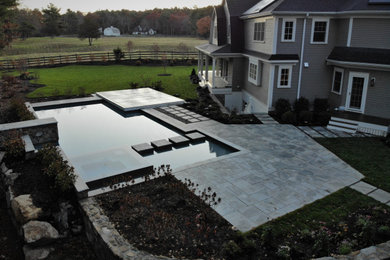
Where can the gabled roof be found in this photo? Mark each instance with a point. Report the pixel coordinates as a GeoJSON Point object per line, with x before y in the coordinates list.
{"type": "Point", "coordinates": [238, 7]}
{"type": "Point", "coordinates": [360, 55]}
{"type": "Point", "coordinates": [303, 6]}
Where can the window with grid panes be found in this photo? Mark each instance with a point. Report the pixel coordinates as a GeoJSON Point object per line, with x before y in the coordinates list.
{"type": "Point", "coordinates": [259, 32]}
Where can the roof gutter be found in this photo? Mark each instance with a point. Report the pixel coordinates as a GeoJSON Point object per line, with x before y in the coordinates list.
{"type": "Point", "coordinates": [363, 65]}
{"type": "Point", "coordinates": [290, 13]}
{"type": "Point", "coordinates": [301, 58]}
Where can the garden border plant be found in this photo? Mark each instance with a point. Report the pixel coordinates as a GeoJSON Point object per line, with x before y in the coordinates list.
{"type": "Point", "coordinates": [301, 114]}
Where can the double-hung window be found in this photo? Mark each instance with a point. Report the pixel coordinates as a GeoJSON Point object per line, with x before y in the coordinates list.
{"type": "Point", "coordinates": [284, 76]}
{"type": "Point", "coordinates": [288, 30]}
{"type": "Point", "coordinates": [254, 72]}
{"type": "Point", "coordinates": [319, 31]}
{"type": "Point", "coordinates": [259, 32]}
{"type": "Point", "coordinates": [337, 85]}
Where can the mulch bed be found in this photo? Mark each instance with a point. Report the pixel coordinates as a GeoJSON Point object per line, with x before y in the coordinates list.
{"type": "Point", "coordinates": [163, 217]}
{"type": "Point", "coordinates": [206, 106]}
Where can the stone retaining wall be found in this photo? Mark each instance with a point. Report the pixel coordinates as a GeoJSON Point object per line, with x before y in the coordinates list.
{"type": "Point", "coordinates": [378, 252]}
{"type": "Point", "coordinates": [41, 131]}
{"type": "Point", "coordinates": [108, 243]}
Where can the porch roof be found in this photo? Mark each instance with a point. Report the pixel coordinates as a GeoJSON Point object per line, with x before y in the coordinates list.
{"type": "Point", "coordinates": [272, 57]}
{"type": "Point", "coordinates": [217, 51]}
{"type": "Point", "coordinates": [360, 55]}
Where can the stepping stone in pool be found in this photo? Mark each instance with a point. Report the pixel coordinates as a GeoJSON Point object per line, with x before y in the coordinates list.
{"type": "Point", "coordinates": [196, 137]}
{"type": "Point", "coordinates": [162, 144]}
{"type": "Point", "coordinates": [179, 140]}
{"type": "Point", "coordinates": [143, 148]}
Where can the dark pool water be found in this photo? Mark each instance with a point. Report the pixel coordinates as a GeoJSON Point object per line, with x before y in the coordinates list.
{"type": "Point", "coordinates": [98, 139]}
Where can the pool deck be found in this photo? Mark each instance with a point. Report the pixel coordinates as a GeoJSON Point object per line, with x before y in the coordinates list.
{"type": "Point", "coordinates": [141, 98]}
{"type": "Point", "coordinates": [279, 170]}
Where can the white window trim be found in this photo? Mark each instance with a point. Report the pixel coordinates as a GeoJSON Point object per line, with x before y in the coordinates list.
{"type": "Point", "coordinates": [256, 62]}
{"type": "Point", "coordinates": [294, 28]}
{"type": "Point", "coordinates": [254, 26]}
{"type": "Point", "coordinates": [326, 33]}
{"type": "Point", "coordinates": [289, 67]}
{"type": "Point", "coordinates": [341, 83]}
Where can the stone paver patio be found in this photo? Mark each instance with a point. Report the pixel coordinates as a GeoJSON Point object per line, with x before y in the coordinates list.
{"type": "Point", "coordinates": [280, 170]}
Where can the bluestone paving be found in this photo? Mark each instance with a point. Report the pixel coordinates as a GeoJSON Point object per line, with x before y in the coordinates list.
{"type": "Point", "coordinates": [380, 195]}
{"type": "Point", "coordinates": [363, 187]}
{"type": "Point", "coordinates": [281, 170]}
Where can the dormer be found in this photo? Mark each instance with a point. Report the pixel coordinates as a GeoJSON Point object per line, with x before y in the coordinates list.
{"type": "Point", "coordinates": [218, 27]}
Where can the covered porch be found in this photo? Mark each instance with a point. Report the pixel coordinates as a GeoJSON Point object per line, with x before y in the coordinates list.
{"type": "Point", "coordinates": [215, 68]}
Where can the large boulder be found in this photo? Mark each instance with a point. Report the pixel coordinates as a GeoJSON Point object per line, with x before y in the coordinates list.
{"type": "Point", "coordinates": [24, 209]}
{"type": "Point", "coordinates": [10, 177]}
{"type": "Point", "coordinates": [31, 253]}
{"type": "Point", "coordinates": [39, 233]}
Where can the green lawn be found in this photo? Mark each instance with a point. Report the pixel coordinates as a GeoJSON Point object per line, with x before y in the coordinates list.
{"type": "Point", "coordinates": [46, 46]}
{"type": "Point", "coordinates": [68, 80]}
{"type": "Point", "coordinates": [370, 156]}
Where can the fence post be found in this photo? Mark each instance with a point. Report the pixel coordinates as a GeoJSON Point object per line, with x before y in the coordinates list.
{"type": "Point", "coordinates": [60, 60]}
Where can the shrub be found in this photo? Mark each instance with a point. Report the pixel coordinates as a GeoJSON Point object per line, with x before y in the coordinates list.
{"type": "Point", "coordinates": [345, 248]}
{"type": "Point", "coordinates": [321, 105]}
{"type": "Point", "coordinates": [119, 54]}
{"type": "Point", "coordinates": [305, 117]}
{"type": "Point", "coordinates": [231, 250]}
{"type": "Point", "coordinates": [14, 147]}
{"type": "Point", "coordinates": [138, 62]}
{"type": "Point", "coordinates": [301, 104]}
{"type": "Point", "coordinates": [283, 252]}
{"type": "Point", "coordinates": [387, 140]}
{"type": "Point", "coordinates": [289, 117]}
{"type": "Point", "coordinates": [133, 85]}
{"type": "Point", "coordinates": [322, 118]}
{"type": "Point", "coordinates": [282, 106]}
{"type": "Point", "coordinates": [17, 111]}
{"type": "Point", "coordinates": [60, 174]}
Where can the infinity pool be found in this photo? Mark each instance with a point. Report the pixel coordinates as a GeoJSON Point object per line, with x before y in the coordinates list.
{"type": "Point", "coordinates": [97, 139]}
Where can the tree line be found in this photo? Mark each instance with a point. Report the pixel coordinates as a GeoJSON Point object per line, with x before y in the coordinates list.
{"type": "Point", "coordinates": [50, 22]}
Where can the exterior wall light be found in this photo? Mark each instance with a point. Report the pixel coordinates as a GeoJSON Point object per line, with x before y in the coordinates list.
{"type": "Point", "coordinates": [372, 81]}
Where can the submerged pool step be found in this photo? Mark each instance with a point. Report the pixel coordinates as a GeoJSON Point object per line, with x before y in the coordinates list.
{"type": "Point", "coordinates": [179, 140]}
{"type": "Point", "coordinates": [196, 137]}
{"type": "Point", "coordinates": [143, 148]}
{"type": "Point", "coordinates": [162, 144]}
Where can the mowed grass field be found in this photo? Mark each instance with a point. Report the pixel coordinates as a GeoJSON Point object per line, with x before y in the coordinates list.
{"type": "Point", "coordinates": [75, 79]}
{"type": "Point", "coordinates": [46, 46]}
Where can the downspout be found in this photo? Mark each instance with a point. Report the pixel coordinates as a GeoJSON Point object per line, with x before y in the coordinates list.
{"type": "Point", "coordinates": [302, 53]}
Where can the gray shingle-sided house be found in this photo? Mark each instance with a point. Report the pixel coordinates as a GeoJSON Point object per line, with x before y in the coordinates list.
{"type": "Point", "coordinates": [260, 51]}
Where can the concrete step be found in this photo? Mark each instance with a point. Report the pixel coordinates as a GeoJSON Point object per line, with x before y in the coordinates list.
{"type": "Point", "coordinates": [344, 125]}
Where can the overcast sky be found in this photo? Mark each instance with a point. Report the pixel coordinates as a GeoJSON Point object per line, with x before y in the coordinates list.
{"type": "Point", "coordinates": [93, 5]}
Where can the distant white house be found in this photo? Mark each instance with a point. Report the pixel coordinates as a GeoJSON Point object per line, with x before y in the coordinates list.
{"type": "Point", "coordinates": [143, 31]}
{"type": "Point", "coordinates": [112, 31]}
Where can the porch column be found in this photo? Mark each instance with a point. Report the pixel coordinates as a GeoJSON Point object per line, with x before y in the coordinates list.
{"type": "Point", "coordinates": [201, 63]}
{"type": "Point", "coordinates": [207, 68]}
{"type": "Point", "coordinates": [198, 61]}
{"type": "Point", "coordinates": [213, 80]}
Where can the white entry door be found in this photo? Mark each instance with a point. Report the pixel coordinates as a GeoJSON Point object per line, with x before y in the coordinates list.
{"type": "Point", "coordinates": [357, 92]}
